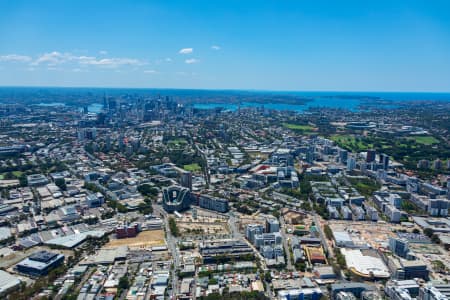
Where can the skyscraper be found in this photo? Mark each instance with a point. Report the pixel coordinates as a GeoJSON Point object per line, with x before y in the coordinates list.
{"type": "Point", "coordinates": [384, 160]}
{"type": "Point", "coordinates": [370, 156]}
{"type": "Point", "coordinates": [186, 180]}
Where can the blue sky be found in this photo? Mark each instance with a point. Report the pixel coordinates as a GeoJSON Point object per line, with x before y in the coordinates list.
{"type": "Point", "coordinates": [382, 45]}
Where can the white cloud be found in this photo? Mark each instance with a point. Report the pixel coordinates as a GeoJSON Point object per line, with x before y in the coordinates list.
{"type": "Point", "coordinates": [150, 71]}
{"type": "Point", "coordinates": [192, 61]}
{"type": "Point", "coordinates": [15, 58]}
{"type": "Point", "coordinates": [215, 47]}
{"type": "Point", "coordinates": [56, 58]}
{"type": "Point", "coordinates": [186, 51]}
{"type": "Point", "coordinates": [52, 59]}
{"type": "Point", "coordinates": [181, 73]}
{"type": "Point", "coordinates": [163, 60]}
{"type": "Point", "coordinates": [78, 70]}
{"type": "Point", "coordinates": [74, 63]}
{"type": "Point", "coordinates": [111, 62]}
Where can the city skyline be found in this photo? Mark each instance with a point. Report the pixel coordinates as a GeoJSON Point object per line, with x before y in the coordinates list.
{"type": "Point", "coordinates": [297, 46]}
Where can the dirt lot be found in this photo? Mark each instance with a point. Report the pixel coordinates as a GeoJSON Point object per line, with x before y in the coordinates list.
{"type": "Point", "coordinates": [376, 234]}
{"type": "Point", "coordinates": [145, 239]}
{"type": "Point", "coordinates": [203, 228]}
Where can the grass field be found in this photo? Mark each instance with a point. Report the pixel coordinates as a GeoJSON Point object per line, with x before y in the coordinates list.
{"type": "Point", "coordinates": [177, 143]}
{"type": "Point", "coordinates": [424, 140]}
{"type": "Point", "coordinates": [350, 142]}
{"type": "Point", "coordinates": [298, 127]}
{"type": "Point", "coordinates": [17, 173]}
{"type": "Point", "coordinates": [192, 167]}
{"type": "Point", "coordinates": [145, 239]}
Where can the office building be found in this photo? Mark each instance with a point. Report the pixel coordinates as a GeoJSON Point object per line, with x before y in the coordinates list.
{"type": "Point", "coordinates": [186, 180]}
{"type": "Point", "coordinates": [384, 161]}
{"type": "Point", "coordinates": [402, 289]}
{"type": "Point", "coordinates": [176, 198]}
{"type": "Point", "coordinates": [351, 163]}
{"type": "Point", "coordinates": [127, 231]}
{"type": "Point", "coordinates": [370, 156]}
{"type": "Point", "coordinates": [272, 225]}
{"type": "Point", "coordinates": [95, 200]}
{"type": "Point", "coordinates": [438, 207]}
{"type": "Point", "coordinates": [40, 263]}
{"type": "Point", "coordinates": [399, 246]}
{"type": "Point", "coordinates": [213, 203]}
{"type": "Point", "coordinates": [8, 283]}
{"type": "Point", "coordinates": [393, 214]}
{"type": "Point", "coordinates": [402, 269]}
{"type": "Point", "coordinates": [37, 180]}
{"type": "Point", "coordinates": [345, 296]}
{"type": "Point", "coordinates": [434, 292]}
{"type": "Point", "coordinates": [300, 294]}
{"type": "Point", "coordinates": [210, 250]}
{"type": "Point", "coordinates": [343, 156]}
{"type": "Point", "coordinates": [252, 230]}
{"type": "Point", "coordinates": [355, 288]}
{"type": "Point", "coordinates": [267, 239]}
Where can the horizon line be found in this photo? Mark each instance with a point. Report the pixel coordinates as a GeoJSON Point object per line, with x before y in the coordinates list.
{"type": "Point", "coordinates": [223, 89]}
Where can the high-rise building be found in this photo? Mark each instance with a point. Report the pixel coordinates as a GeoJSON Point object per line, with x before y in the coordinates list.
{"type": "Point", "coordinates": [423, 164]}
{"type": "Point", "coordinates": [399, 246]}
{"type": "Point", "coordinates": [213, 203]}
{"type": "Point", "coordinates": [384, 161]}
{"type": "Point", "coordinates": [310, 155]}
{"type": "Point", "coordinates": [343, 155]}
{"type": "Point", "coordinates": [448, 186]}
{"type": "Point", "coordinates": [351, 163]}
{"type": "Point", "coordinates": [112, 105]}
{"type": "Point", "coordinates": [412, 184]}
{"type": "Point", "coordinates": [252, 230]}
{"type": "Point", "coordinates": [437, 164]}
{"type": "Point", "coordinates": [438, 207]}
{"type": "Point", "coordinates": [403, 269]}
{"type": "Point", "coordinates": [186, 179]}
{"type": "Point", "coordinates": [272, 225]}
{"type": "Point", "coordinates": [370, 156]}
{"type": "Point", "coordinates": [176, 198]}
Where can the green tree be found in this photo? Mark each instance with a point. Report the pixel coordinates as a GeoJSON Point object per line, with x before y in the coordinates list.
{"type": "Point", "coordinates": [61, 183]}
{"type": "Point", "coordinates": [328, 232]}
{"type": "Point", "coordinates": [428, 232]}
{"type": "Point", "coordinates": [145, 208]}
{"type": "Point", "coordinates": [148, 190]}
{"type": "Point", "coordinates": [124, 283]}
{"type": "Point", "coordinates": [173, 227]}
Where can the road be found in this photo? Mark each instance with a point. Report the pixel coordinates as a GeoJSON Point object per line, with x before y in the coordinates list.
{"type": "Point", "coordinates": [289, 264]}
{"type": "Point", "coordinates": [172, 246]}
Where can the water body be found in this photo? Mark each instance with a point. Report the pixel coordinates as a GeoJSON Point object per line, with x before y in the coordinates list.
{"type": "Point", "coordinates": [349, 104]}
{"type": "Point", "coordinates": [95, 108]}
{"type": "Point", "coordinates": [340, 100]}
{"type": "Point", "coordinates": [51, 104]}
